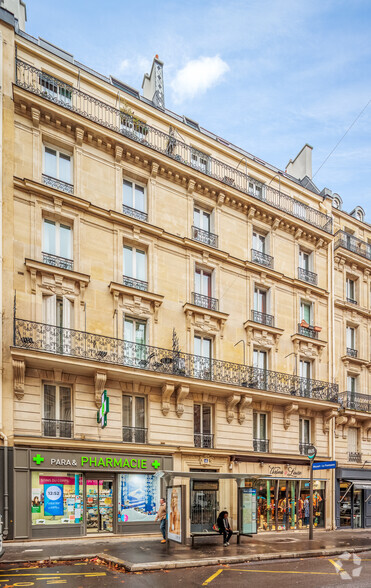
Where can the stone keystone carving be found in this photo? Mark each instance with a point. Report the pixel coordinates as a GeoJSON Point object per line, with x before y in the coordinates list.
{"type": "Point", "coordinates": [167, 390]}
{"type": "Point", "coordinates": [181, 393]}
{"type": "Point", "coordinates": [19, 370]}
{"type": "Point", "coordinates": [242, 406]}
{"type": "Point", "coordinates": [230, 403]}
{"type": "Point", "coordinates": [287, 412]}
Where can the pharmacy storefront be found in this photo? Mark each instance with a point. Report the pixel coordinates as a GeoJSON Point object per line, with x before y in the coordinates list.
{"type": "Point", "coordinates": [66, 494]}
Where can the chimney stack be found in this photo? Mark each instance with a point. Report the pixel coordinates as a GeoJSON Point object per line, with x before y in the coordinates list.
{"type": "Point", "coordinates": [153, 84]}
{"type": "Point", "coordinates": [18, 9]}
{"type": "Point", "coordinates": [301, 167]}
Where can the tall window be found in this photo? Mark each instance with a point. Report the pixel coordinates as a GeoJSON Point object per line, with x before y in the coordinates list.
{"type": "Point", "coordinates": [58, 312]}
{"type": "Point", "coordinates": [57, 242]}
{"type": "Point", "coordinates": [304, 435]}
{"type": "Point", "coordinates": [260, 361]}
{"type": "Point", "coordinates": [57, 411]}
{"type": "Point", "coordinates": [202, 219]}
{"type": "Point", "coordinates": [352, 387]}
{"type": "Point", "coordinates": [350, 290]}
{"type": "Point", "coordinates": [135, 350]}
{"type": "Point", "coordinates": [256, 189]}
{"type": "Point", "coordinates": [200, 160]}
{"type": "Point", "coordinates": [259, 242]}
{"type": "Point", "coordinates": [304, 260]}
{"type": "Point", "coordinates": [203, 281]}
{"type": "Point", "coordinates": [306, 312]}
{"type": "Point", "coordinates": [260, 437]}
{"type": "Point", "coordinates": [353, 444]}
{"type": "Point", "coordinates": [134, 197]}
{"type": "Point", "coordinates": [351, 338]}
{"type": "Point", "coordinates": [203, 351]}
{"type": "Point", "coordinates": [305, 375]}
{"type": "Point", "coordinates": [135, 268]}
{"type": "Point", "coordinates": [202, 419]}
{"type": "Point", "coordinates": [57, 165]}
{"type": "Point", "coordinates": [260, 300]}
{"type": "Point", "coordinates": [134, 419]}
{"type": "Point", "coordinates": [55, 89]}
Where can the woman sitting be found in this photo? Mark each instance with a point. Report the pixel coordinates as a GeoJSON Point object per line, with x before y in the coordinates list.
{"type": "Point", "coordinates": [224, 527]}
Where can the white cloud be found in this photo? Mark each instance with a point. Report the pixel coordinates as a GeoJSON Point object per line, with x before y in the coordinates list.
{"type": "Point", "coordinates": [197, 76]}
{"type": "Point", "coordinates": [124, 65]}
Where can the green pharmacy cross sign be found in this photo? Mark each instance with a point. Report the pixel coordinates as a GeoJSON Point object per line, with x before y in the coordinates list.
{"type": "Point", "coordinates": [104, 410]}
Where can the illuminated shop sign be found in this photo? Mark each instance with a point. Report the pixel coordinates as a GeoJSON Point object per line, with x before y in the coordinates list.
{"type": "Point", "coordinates": [45, 459]}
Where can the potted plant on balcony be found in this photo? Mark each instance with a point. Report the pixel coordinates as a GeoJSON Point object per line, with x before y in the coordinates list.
{"type": "Point", "coordinates": [318, 329]}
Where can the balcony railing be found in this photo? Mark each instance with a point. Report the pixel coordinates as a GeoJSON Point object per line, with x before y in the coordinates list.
{"type": "Point", "coordinates": [353, 244]}
{"type": "Point", "coordinates": [57, 428]}
{"type": "Point", "coordinates": [355, 401]}
{"type": "Point", "coordinates": [34, 80]}
{"type": "Point", "coordinates": [261, 445]}
{"type": "Point", "coordinates": [351, 300]}
{"type": "Point", "coordinates": [354, 457]}
{"type": "Point", "coordinates": [57, 184]}
{"type": "Point", "coordinates": [307, 276]}
{"type": "Point", "coordinates": [307, 331]}
{"type": "Point", "coordinates": [57, 261]}
{"type": "Point", "coordinates": [352, 352]}
{"type": "Point", "coordinates": [134, 435]}
{"type": "Point", "coordinates": [262, 258]}
{"type": "Point", "coordinates": [204, 237]}
{"type": "Point", "coordinates": [90, 346]}
{"type": "Point", "coordinates": [205, 301]}
{"type": "Point", "coordinates": [262, 318]}
{"type": "Point", "coordinates": [303, 447]}
{"type": "Point", "coordinates": [134, 213]}
{"type": "Point", "coordinates": [134, 283]}
{"type": "Point", "coordinates": [206, 441]}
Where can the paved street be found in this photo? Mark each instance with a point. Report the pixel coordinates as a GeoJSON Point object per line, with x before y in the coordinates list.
{"type": "Point", "coordinates": [305, 573]}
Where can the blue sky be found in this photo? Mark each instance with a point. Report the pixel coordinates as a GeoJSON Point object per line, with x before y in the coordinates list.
{"type": "Point", "coordinates": [268, 75]}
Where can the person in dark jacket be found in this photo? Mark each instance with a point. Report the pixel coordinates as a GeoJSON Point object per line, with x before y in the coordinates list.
{"type": "Point", "coordinates": [224, 526]}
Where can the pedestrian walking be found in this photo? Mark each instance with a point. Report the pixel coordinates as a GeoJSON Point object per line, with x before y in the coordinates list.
{"type": "Point", "coordinates": [161, 516]}
{"type": "Point", "coordinates": [224, 527]}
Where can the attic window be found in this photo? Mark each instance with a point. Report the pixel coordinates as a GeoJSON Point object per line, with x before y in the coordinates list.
{"type": "Point", "coordinates": [192, 123]}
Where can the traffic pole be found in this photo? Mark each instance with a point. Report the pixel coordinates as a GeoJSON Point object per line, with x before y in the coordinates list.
{"type": "Point", "coordinates": [311, 453]}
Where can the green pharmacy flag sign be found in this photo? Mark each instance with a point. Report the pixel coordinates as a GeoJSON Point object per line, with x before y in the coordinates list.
{"type": "Point", "coordinates": [103, 410]}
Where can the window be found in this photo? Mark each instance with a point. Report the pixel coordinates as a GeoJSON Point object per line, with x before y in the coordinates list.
{"type": "Point", "coordinates": [353, 444]}
{"type": "Point", "coordinates": [202, 219]}
{"type": "Point", "coordinates": [134, 419]}
{"type": "Point", "coordinates": [57, 244]}
{"type": "Point", "coordinates": [260, 300]}
{"type": "Point", "coordinates": [200, 161]}
{"type": "Point", "coordinates": [202, 351]}
{"type": "Point", "coordinates": [135, 350]}
{"type": "Point", "coordinates": [304, 260]}
{"type": "Point", "coordinates": [351, 392]}
{"type": "Point", "coordinates": [351, 340]}
{"type": "Point", "coordinates": [305, 378]}
{"type": "Point", "coordinates": [57, 411]}
{"type": "Point", "coordinates": [202, 295]}
{"type": "Point", "coordinates": [134, 127]}
{"type": "Point", "coordinates": [138, 498]}
{"type": "Point", "coordinates": [58, 312]}
{"type": "Point", "coordinates": [256, 189]}
{"type": "Point", "coordinates": [304, 435]}
{"type": "Point", "coordinates": [57, 165]}
{"type": "Point", "coordinates": [351, 291]}
{"type": "Point", "coordinates": [46, 508]}
{"type": "Point", "coordinates": [55, 90]}
{"type": "Point", "coordinates": [258, 242]}
{"type": "Point", "coordinates": [202, 419]}
{"type": "Point", "coordinates": [134, 200]}
{"type": "Point", "coordinates": [134, 268]}
{"type": "Point", "coordinates": [306, 312]}
{"type": "Point", "coordinates": [260, 440]}
{"type": "Point", "coordinates": [260, 377]}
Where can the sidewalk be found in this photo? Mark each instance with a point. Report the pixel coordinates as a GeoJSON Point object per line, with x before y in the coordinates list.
{"type": "Point", "coordinates": [135, 554]}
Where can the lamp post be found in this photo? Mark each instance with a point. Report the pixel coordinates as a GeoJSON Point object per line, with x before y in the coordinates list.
{"type": "Point", "coordinates": [311, 453]}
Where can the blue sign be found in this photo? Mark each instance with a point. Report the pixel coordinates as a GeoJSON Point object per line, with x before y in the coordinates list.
{"type": "Point", "coordinates": [325, 465]}
{"type": "Point", "coordinates": [53, 499]}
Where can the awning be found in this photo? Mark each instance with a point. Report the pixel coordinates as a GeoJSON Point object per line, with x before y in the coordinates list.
{"type": "Point", "coordinates": [361, 484]}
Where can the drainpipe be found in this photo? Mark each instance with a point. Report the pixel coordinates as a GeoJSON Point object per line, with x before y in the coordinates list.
{"type": "Point", "coordinates": [2, 435]}
{"type": "Point", "coordinates": [6, 486]}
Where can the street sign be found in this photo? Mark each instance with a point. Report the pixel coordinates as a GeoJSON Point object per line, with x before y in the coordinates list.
{"type": "Point", "coordinates": [311, 452]}
{"type": "Point", "coordinates": [104, 410]}
{"type": "Point", "coordinates": [324, 465]}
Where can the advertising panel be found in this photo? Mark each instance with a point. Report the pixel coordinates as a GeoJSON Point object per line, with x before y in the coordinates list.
{"type": "Point", "coordinates": [53, 499]}
{"type": "Point", "coordinates": [248, 511]}
{"type": "Point", "coordinates": [175, 513]}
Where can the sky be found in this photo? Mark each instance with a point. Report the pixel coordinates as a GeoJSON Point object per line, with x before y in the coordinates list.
{"type": "Point", "coordinates": [268, 75]}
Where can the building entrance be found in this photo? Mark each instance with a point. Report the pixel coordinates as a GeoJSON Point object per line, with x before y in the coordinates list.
{"type": "Point", "coordinates": [99, 505]}
{"type": "Point", "coordinates": [204, 505]}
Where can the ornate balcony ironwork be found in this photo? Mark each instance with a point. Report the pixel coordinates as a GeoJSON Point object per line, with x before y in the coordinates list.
{"type": "Point", "coordinates": [352, 352]}
{"type": "Point", "coordinates": [261, 445]}
{"type": "Point", "coordinates": [57, 261]}
{"type": "Point", "coordinates": [204, 237]}
{"type": "Point", "coordinates": [57, 428]}
{"type": "Point", "coordinates": [134, 283]}
{"type": "Point", "coordinates": [307, 276]}
{"type": "Point", "coordinates": [90, 346]}
{"type": "Point", "coordinates": [205, 301]}
{"type": "Point", "coordinates": [307, 331]}
{"type": "Point", "coordinates": [351, 300]}
{"type": "Point", "coordinates": [355, 457]}
{"type": "Point", "coordinates": [57, 184]}
{"type": "Point", "coordinates": [206, 441]}
{"type": "Point", "coordinates": [134, 435]}
{"type": "Point", "coordinates": [262, 318]}
{"type": "Point", "coordinates": [262, 258]}
{"type": "Point", "coordinates": [33, 80]}
{"type": "Point", "coordinates": [353, 244]}
{"type": "Point", "coordinates": [303, 447]}
{"type": "Point", "coordinates": [355, 401]}
{"type": "Point", "coordinates": [134, 213]}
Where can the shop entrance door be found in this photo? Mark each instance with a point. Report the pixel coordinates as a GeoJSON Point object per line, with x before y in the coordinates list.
{"type": "Point", "coordinates": [99, 505]}
{"type": "Point", "coordinates": [204, 505]}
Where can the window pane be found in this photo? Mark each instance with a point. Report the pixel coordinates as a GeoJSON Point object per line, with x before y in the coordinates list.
{"type": "Point", "coordinates": [64, 167]}
{"type": "Point", "coordinates": [198, 281]}
{"type": "Point", "coordinates": [141, 265]}
{"type": "Point", "coordinates": [64, 404]}
{"type": "Point", "coordinates": [49, 237]}
{"type": "Point", "coordinates": [49, 401]}
{"type": "Point", "coordinates": [140, 333]}
{"type": "Point", "coordinates": [206, 420]}
{"type": "Point", "coordinates": [197, 418]}
{"type": "Point", "coordinates": [206, 284]}
{"type": "Point", "coordinates": [139, 198]}
{"type": "Point", "coordinates": [255, 425]}
{"type": "Point", "coordinates": [127, 411]}
{"type": "Point", "coordinates": [262, 426]}
{"type": "Point", "coordinates": [127, 192]}
{"type": "Point", "coordinates": [197, 345]}
{"type": "Point", "coordinates": [206, 221]}
{"type": "Point", "coordinates": [128, 262]}
{"type": "Point", "coordinates": [197, 218]}
{"type": "Point", "coordinates": [65, 242]}
{"type": "Point", "coordinates": [128, 330]}
{"type": "Point", "coordinates": [139, 412]}
{"type": "Point", "coordinates": [306, 436]}
{"type": "Point", "coordinates": [206, 348]}
{"type": "Point", "coordinates": [306, 312]}
{"type": "Point", "coordinates": [50, 162]}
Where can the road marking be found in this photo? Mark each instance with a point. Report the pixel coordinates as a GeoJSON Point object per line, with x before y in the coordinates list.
{"type": "Point", "coordinates": [49, 574]}
{"type": "Point", "coordinates": [212, 578]}
{"type": "Point", "coordinates": [337, 566]}
{"type": "Point", "coordinates": [26, 550]}
{"type": "Point", "coordinates": [283, 572]}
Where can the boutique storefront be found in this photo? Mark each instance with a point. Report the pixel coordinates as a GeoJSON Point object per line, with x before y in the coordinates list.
{"type": "Point", "coordinates": [353, 498]}
{"type": "Point", "coordinates": [71, 493]}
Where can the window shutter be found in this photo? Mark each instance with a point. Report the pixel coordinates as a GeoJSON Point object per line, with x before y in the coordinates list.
{"type": "Point", "coordinates": [67, 313]}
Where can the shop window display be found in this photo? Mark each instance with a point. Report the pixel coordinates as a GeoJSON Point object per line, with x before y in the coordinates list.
{"type": "Point", "coordinates": [139, 497]}
{"type": "Point", "coordinates": [56, 498]}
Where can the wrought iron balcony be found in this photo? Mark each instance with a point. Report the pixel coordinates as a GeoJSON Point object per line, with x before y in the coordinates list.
{"type": "Point", "coordinates": [261, 445]}
{"type": "Point", "coordinates": [34, 80]}
{"type": "Point", "coordinates": [57, 428]}
{"type": "Point", "coordinates": [262, 318]}
{"type": "Point", "coordinates": [134, 435]}
{"type": "Point", "coordinates": [307, 276]}
{"type": "Point", "coordinates": [351, 300]}
{"type": "Point", "coordinates": [57, 184]}
{"type": "Point", "coordinates": [307, 331]}
{"type": "Point", "coordinates": [205, 301]}
{"type": "Point", "coordinates": [303, 447]}
{"type": "Point", "coordinates": [134, 213]}
{"type": "Point", "coordinates": [57, 261]}
{"type": "Point", "coordinates": [355, 457]}
{"type": "Point", "coordinates": [134, 283]}
{"type": "Point", "coordinates": [353, 244]}
{"type": "Point", "coordinates": [204, 237]}
{"type": "Point", "coordinates": [206, 441]}
{"type": "Point", "coordinates": [90, 346]}
{"type": "Point", "coordinates": [262, 258]}
{"type": "Point", "coordinates": [355, 401]}
{"type": "Point", "coordinates": [352, 352]}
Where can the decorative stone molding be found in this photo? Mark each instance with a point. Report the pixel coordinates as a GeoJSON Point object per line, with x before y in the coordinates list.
{"type": "Point", "coordinates": [307, 347]}
{"type": "Point", "coordinates": [340, 421]}
{"type": "Point", "coordinates": [167, 390]}
{"type": "Point", "coordinates": [230, 404]}
{"type": "Point", "coordinates": [35, 115]}
{"type": "Point", "coordinates": [181, 393]}
{"type": "Point", "coordinates": [220, 199]}
{"type": "Point", "coordinates": [288, 410]}
{"type": "Point", "coordinates": [262, 335]}
{"type": "Point", "coordinates": [19, 370]}
{"type": "Point", "coordinates": [134, 388]}
{"type": "Point", "coordinates": [365, 428]}
{"type": "Point", "coordinates": [55, 280]}
{"type": "Point", "coordinates": [244, 403]}
{"type": "Point", "coordinates": [207, 321]}
{"type": "Point", "coordinates": [100, 379]}
{"type": "Point", "coordinates": [79, 136]}
{"type": "Point", "coordinates": [118, 153]}
{"type": "Point", "coordinates": [330, 414]}
{"type": "Point", "coordinates": [136, 302]}
{"type": "Point", "coordinates": [191, 186]}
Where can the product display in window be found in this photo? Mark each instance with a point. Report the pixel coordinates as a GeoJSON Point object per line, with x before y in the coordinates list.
{"type": "Point", "coordinates": [138, 497]}
{"type": "Point", "coordinates": [56, 498]}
